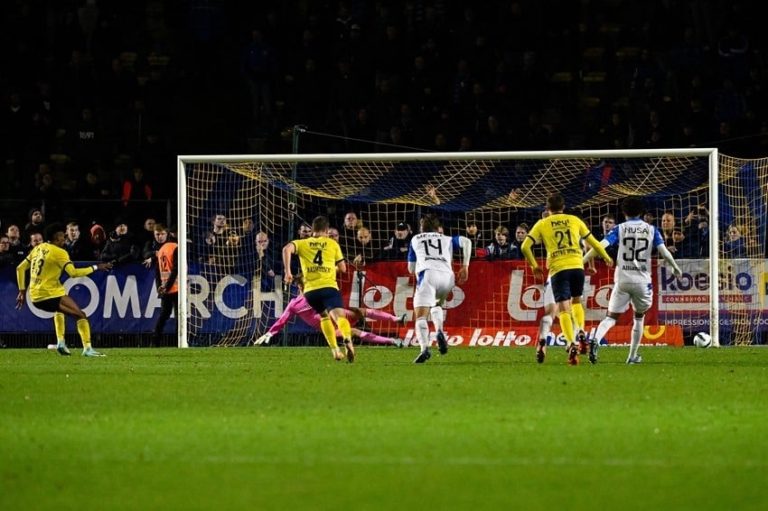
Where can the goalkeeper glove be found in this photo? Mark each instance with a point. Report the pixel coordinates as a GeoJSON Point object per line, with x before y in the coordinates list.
{"type": "Point", "coordinates": [264, 339]}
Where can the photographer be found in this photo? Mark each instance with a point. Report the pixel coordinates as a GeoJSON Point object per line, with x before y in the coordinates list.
{"type": "Point", "coordinates": [120, 247]}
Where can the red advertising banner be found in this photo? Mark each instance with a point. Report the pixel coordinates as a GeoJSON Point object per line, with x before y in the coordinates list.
{"type": "Point", "coordinates": [527, 336]}
{"type": "Point", "coordinates": [500, 305]}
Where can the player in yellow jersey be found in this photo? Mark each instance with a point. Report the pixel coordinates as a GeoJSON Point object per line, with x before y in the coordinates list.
{"type": "Point", "coordinates": [320, 259]}
{"type": "Point", "coordinates": [46, 262]}
{"type": "Point", "coordinates": [561, 235]}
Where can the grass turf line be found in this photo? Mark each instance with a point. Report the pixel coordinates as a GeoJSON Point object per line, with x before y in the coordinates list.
{"type": "Point", "coordinates": [289, 428]}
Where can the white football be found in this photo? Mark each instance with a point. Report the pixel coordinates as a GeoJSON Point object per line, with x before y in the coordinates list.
{"type": "Point", "coordinates": [702, 340]}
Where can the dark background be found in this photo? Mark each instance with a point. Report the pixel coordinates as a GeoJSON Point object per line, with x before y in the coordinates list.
{"type": "Point", "coordinates": [99, 88]}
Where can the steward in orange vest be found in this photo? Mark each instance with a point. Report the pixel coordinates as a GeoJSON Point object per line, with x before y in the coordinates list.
{"type": "Point", "coordinates": [165, 277]}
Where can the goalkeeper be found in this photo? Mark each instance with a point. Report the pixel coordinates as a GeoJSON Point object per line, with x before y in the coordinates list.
{"type": "Point", "coordinates": [299, 306]}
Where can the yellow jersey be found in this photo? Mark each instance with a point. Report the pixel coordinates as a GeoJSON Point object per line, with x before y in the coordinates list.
{"type": "Point", "coordinates": [46, 262]}
{"type": "Point", "coordinates": [318, 257]}
{"type": "Point", "coordinates": [561, 235]}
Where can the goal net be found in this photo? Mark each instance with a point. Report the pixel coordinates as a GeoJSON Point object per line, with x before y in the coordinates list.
{"type": "Point", "coordinates": [237, 212]}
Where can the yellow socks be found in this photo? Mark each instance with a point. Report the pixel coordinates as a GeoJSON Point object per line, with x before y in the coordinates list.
{"type": "Point", "coordinates": [84, 329]}
{"type": "Point", "coordinates": [566, 324]}
{"type": "Point", "coordinates": [578, 316]}
{"type": "Point", "coordinates": [329, 332]}
{"type": "Point", "coordinates": [59, 325]}
{"type": "Point", "coordinates": [344, 328]}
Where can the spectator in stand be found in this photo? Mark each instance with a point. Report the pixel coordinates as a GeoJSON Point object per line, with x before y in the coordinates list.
{"type": "Point", "coordinates": [265, 262]}
{"type": "Point", "coordinates": [34, 240]}
{"type": "Point", "coordinates": [607, 223]}
{"type": "Point", "coordinates": [98, 241]}
{"type": "Point", "coordinates": [696, 230]}
{"type": "Point", "coordinates": [500, 247]}
{"type": "Point", "coordinates": [218, 232]}
{"type": "Point", "coordinates": [649, 218]}
{"type": "Point", "coordinates": [136, 188]}
{"type": "Point", "coordinates": [248, 228]}
{"type": "Point", "coordinates": [15, 247]}
{"type": "Point", "coordinates": [233, 239]}
{"type": "Point", "coordinates": [397, 248]}
{"type": "Point", "coordinates": [681, 245]}
{"type": "Point", "coordinates": [166, 278]}
{"type": "Point", "coordinates": [6, 256]}
{"type": "Point", "coordinates": [521, 231]}
{"type": "Point", "coordinates": [667, 230]}
{"type": "Point", "coordinates": [473, 234]}
{"type": "Point", "coordinates": [35, 223]}
{"type": "Point", "coordinates": [735, 245]}
{"type": "Point", "coordinates": [363, 250]}
{"type": "Point", "coordinates": [214, 238]}
{"type": "Point", "coordinates": [93, 188]}
{"type": "Point", "coordinates": [120, 247]}
{"type": "Point", "coordinates": [304, 232]}
{"type": "Point", "coordinates": [348, 234]}
{"type": "Point", "coordinates": [76, 246]}
{"type": "Point", "coordinates": [148, 234]}
{"type": "Point", "coordinates": [333, 233]}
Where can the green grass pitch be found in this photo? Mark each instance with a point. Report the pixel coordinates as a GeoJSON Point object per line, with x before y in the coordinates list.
{"type": "Point", "coordinates": [289, 428]}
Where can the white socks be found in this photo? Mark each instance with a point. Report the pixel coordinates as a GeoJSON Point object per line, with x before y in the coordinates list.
{"type": "Point", "coordinates": [436, 313]}
{"type": "Point", "coordinates": [637, 334]}
{"type": "Point", "coordinates": [545, 326]}
{"type": "Point", "coordinates": [606, 324]}
{"type": "Point", "coordinates": [422, 332]}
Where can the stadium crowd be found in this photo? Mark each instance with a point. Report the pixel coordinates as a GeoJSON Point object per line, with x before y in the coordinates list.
{"type": "Point", "coordinates": [99, 97]}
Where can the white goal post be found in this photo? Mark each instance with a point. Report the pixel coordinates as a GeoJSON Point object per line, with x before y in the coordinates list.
{"type": "Point", "coordinates": [269, 188]}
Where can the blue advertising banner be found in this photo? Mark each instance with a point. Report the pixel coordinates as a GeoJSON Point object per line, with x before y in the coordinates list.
{"type": "Point", "coordinates": [123, 300]}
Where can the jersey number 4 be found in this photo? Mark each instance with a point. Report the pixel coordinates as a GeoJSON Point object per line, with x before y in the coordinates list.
{"type": "Point", "coordinates": [318, 259]}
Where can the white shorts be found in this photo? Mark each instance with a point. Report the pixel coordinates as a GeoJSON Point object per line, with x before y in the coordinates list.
{"type": "Point", "coordinates": [432, 287]}
{"type": "Point", "coordinates": [640, 294]}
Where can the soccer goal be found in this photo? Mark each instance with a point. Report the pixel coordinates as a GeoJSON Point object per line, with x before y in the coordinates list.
{"type": "Point", "coordinates": [712, 207]}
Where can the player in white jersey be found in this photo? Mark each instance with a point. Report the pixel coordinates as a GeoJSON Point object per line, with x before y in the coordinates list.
{"type": "Point", "coordinates": [430, 259]}
{"type": "Point", "coordinates": [632, 276]}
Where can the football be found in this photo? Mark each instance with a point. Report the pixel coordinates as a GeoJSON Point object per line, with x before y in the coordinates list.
{"type": "Point", "coordinates": [702, 340]}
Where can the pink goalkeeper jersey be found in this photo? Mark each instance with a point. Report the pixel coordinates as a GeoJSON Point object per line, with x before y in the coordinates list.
{"type": "Point", "coordinates": [297, 307]}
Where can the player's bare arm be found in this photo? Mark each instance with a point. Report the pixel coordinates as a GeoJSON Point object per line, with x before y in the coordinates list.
{"type": "Point", "coordinates": [288, 250]}
{"type": "Point", "coordinates": [600, 249]}
{"type": "Point", "coordinates": [525, 247]}
{"type": "Point", "coordinates": [466, 255]}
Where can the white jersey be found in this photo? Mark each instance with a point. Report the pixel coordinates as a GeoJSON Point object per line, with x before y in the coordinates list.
{"type": "Point", "coordinates": [636, 240]}
{"type": "Point", "coordinates": [433, 251]}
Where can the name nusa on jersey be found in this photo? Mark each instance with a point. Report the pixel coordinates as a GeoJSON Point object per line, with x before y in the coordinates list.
{"type": "Point", "coordinates": [433, 251]}
{"type": "Point", "coordinates": [636, 240]}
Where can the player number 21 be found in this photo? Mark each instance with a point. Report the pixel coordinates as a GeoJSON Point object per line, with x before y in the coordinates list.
{"type": "Point", "coordinates": [561, 236]}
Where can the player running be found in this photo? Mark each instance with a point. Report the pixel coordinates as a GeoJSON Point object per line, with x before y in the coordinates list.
{"type": "Point", "coordinates": [632, 276]}
{"type": "Point", "coordinates": [561, 235]}
{"type": "Point", "coordinates": [320, 258]}
{"type": "Point", "coordinates": [430, 258]}
{"type": "Point", "coordinates": [46, 262]}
